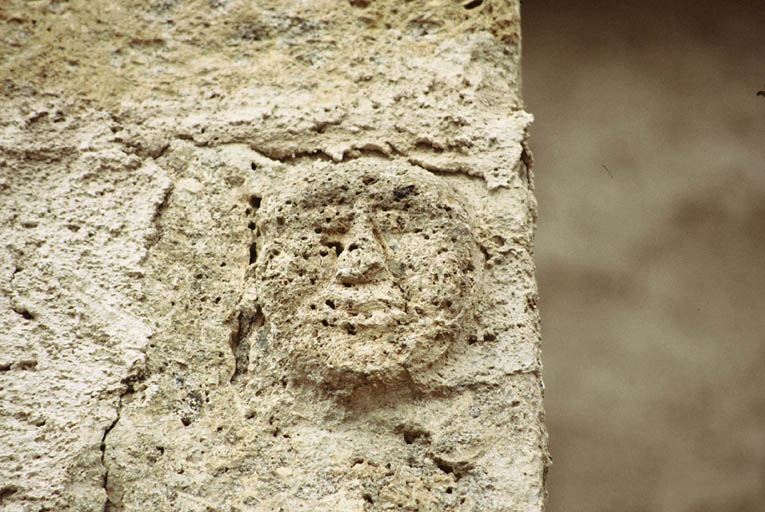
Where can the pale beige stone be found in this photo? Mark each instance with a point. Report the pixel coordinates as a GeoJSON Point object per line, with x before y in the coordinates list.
{"type": "Point", "coordinates": [159, 354]}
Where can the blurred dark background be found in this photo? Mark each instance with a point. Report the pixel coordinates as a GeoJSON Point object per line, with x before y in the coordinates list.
{"type": "Point", "coordinates": [653, 280]}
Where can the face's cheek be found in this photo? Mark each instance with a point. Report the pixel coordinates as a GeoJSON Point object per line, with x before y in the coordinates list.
{"type": "Point", "coordinates": [290, 270]}
{"type": "Point", "coordinates": [436, 271]}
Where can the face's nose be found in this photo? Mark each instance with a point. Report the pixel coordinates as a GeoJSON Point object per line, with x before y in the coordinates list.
{"type": "Point", "coordinates": [363, 258]}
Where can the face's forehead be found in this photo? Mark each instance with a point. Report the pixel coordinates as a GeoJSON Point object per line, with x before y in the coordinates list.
{"type": "Point", "coordinates": [363, 189]}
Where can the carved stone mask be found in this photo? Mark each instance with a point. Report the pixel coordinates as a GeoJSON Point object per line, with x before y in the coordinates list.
{"type": "Point", "coordinates": [367, 273]}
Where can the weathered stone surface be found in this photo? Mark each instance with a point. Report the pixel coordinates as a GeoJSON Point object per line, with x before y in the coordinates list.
{"type": "Point", "coordinates": [76, 223]}
{"type": "Point", "coordinates": [367, 275]}
{"type": "Point", "coordinates": [181, 183]}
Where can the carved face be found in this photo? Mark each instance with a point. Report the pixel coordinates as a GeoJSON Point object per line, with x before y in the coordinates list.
{"type": "Point", "coordinates": [367, 274]}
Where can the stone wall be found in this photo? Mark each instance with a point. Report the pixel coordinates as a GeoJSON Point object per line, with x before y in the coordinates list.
{"type": "Point", "coordinates": [270, 256]}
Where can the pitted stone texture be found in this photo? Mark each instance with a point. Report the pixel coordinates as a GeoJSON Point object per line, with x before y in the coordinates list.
{"type": "Point", "coordinates": [143, 145]}
{"type": "Point", "coordinates": [367, 272]}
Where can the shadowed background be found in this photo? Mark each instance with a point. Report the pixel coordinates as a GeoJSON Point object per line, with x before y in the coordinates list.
{"type": "Point", "coordinates": [652, 281]}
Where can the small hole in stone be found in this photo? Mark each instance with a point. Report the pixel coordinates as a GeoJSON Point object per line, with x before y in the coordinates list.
{"type": "Point", "coordinates": [489, 337]}
{"type": "Point", "coordinates": [255, 202]}
{"type": "Point", "coordinates": [253, 253]}
{"type": "Point", "coordinates": [26, 365]}
{"type": "Point", "coordinates": [443, 466]}
{"type": "Point", "coordinates": [217, 300]}
{"type": "Point", "coordinates": [25, 314]}
{"type": "Point", "coordinates": [325, 323]}
{"type": "Point", "coordinates": [337, 246]}
{"type": "Point", "coordinates": [253, 166]}
{"type": "Point", "coordinates": [251, 225]}
{"type": "Point", "coordinates": [473, 4]}
{"type": "Point", "coordinates": [186, 421]}
{"type": "Point", "coordinates": [472, 340]}
{"type": "Point", "coordinates": [350, 329]}
{"type": "Point", "coordinates": [411, 435]}
{"type": "Point", "coordinates": [352, 247]}
{"type": "Point", "coordinates": [330, 304]}
{"type": "Point", "coordinates": [313, 306]}
{"type": "Point", "coordinates": [368, 498]}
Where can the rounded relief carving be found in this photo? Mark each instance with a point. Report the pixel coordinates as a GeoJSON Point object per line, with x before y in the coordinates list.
{"type": "Point", "coordinates": [367, 273]}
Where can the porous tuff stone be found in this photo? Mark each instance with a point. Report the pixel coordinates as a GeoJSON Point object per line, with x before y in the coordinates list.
{"type": "Point", "coordinates": [367, 273]}
{"type": "Point", "coordinates": [154, 355]}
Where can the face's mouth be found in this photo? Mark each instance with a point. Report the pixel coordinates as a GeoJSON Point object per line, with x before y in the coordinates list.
{"type": "Point", "coordinates": [362, 307]}
{"type": "Point", "coordinates": [375, 314]}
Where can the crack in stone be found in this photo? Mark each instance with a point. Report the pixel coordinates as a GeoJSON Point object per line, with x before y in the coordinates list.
{"type": "Point", "coordinates": [155, 232]}
{"type": "Point", "coordinates": [444, 171]}
{"type": "Point", "coordinates": [129, 383]}
{"type": "Point", "coordinates": [527, 162]}
{"type": "Point", "coordinates": [105, 484]}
